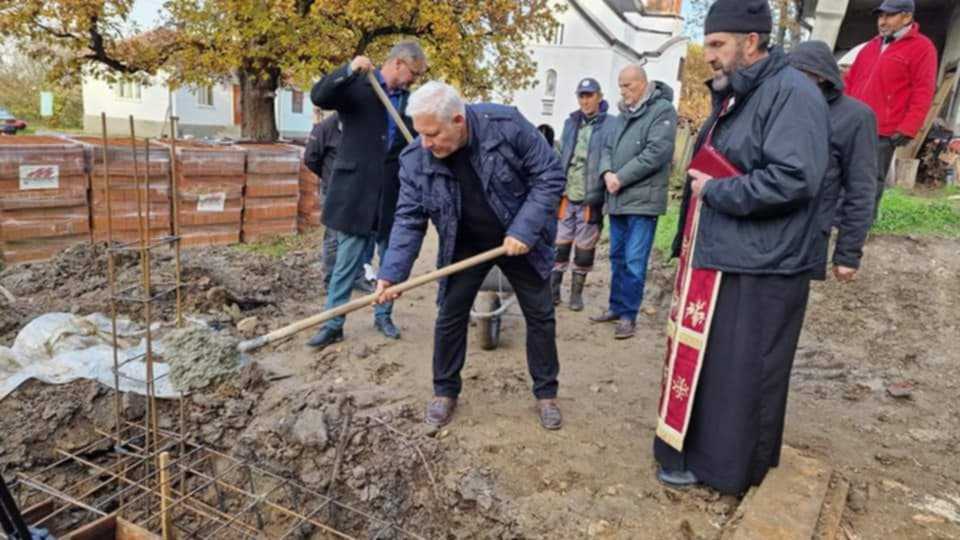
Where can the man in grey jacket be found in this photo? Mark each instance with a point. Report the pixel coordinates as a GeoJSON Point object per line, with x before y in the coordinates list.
{"type": "Point", "coordinates": [635, 167]}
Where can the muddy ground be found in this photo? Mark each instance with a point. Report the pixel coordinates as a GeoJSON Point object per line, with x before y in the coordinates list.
{"type": "Point", "coordinates": [874, 395]}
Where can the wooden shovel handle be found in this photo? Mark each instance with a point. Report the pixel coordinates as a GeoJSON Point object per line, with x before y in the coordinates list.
{"type": "Point", "coordinates": [370, 299]}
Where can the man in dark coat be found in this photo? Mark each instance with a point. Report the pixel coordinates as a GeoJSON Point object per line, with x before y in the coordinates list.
{"type": "Point", "coordinates": [363, 189]}
{"type": "Point", "coordinates": [581, 208]}
{"type": "Point", "coordinates": [761, 230]}
{"type": "Point", "coordinates": [485, 177]}
{"type": "Point", "coordinates": [319, 156]}
{"type": "Point", "coordinates": [850, 185]}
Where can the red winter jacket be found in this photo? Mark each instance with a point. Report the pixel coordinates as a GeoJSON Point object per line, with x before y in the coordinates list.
{"type": "Point", "coordinates": [897, 84]}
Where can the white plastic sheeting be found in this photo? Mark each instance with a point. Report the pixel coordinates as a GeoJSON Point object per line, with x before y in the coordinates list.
{"type": "Point", "coordinates": [58, 348]}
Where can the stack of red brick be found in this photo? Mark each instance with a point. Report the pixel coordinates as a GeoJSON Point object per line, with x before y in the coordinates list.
{"type": "Point", "coordinates": [128, 206]}
{"type": "Point", "coordinates": [311, 200]}
{"type": "Point", "coordinates": [43, 197]}
{"type": "Point", "coordinates": [272, 193]}
{"type": "Point", "coordinates": [210, 193]}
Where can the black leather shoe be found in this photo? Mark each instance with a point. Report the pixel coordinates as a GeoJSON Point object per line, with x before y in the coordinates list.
{"type": "Point", "coordinates": [606, 316]}
{"type": "Point", "coordinates": [326, 336]}
{"type": "Point", "coordinates": [677, 479]}
{"type": "Point", "coordinates": [440, 411]}
{"type": "Point", "coordinates": [386, 327]}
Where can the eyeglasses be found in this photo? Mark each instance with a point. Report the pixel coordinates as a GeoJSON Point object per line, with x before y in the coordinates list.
{"type": "Point", "coordinates": [416, 73]}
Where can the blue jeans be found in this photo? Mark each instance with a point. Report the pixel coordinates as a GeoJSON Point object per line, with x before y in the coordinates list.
{"type": "Point", "coordinates": [352, 253]}
{"type": "Point", "coordinates": [328, 256]}
{"type": "Point", "coordinates": [631, 238]}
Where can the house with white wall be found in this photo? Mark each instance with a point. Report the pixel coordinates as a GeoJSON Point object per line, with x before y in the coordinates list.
{"type": "Point", "coordinates": [204, 111]}
{"type": "Point", "coordinates": [597, 38]}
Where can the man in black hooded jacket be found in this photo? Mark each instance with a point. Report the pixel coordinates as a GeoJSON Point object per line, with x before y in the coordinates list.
{"type": "Point", "coordinates": [850, 186]}
{"type": "Point", "coordinates": [761, 230]}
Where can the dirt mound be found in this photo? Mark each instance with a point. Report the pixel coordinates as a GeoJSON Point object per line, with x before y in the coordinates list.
{"type": "Point", "coordinates": [221, 285]}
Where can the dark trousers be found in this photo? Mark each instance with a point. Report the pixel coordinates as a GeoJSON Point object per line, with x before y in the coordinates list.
{"type": "Point", "coordinates": [885, 150]}
{"type": "Point", "coordinates": [450, 333]}
{"type": "Point", "coordinates": [736, 426]}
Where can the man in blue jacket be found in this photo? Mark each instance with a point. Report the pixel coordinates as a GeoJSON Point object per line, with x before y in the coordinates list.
{"type": "Point", "coordinates": [581, 209]}
{"type": "Point", "coordinates": [485, 177]}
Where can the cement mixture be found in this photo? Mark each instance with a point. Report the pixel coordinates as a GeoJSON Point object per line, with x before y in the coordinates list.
{"type": "Point", "coordinates": [199, 356]}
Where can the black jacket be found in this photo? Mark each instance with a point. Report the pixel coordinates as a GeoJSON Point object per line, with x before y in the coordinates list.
{"type": "Point", "coordinates": [850, 184]}
{"type": "Point", "coordinates": [362, 196]}
{"type": "Point", "coordinates": [764, 221]}
{"type": "Point", "coordinates": [321, 150]}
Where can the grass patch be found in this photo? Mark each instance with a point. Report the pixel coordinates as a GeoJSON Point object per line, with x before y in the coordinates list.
{"type": "Point", "coordinates": [277, 247]}
{"type": "Point", "coordinates": [903, 213]}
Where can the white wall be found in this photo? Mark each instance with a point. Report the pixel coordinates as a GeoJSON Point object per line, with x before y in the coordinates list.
{"type": "Point", "coordinates": [290, 123]}
{"type": "Point", "coordinates": [191, 112]}
{"type": "Point", "coordinates": [99, 97]}
{"type": "Point", "coordinates": [584, 54]}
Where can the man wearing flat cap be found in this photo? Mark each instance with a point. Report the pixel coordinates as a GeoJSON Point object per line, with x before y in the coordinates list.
{"type": "Point", "coordinates": [758, 234]}
{"type": "Point", "coordinates": [896, 75]}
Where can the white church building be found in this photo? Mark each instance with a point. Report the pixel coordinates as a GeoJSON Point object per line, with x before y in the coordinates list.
{"type": "Point", "coordinates": [597, 38]}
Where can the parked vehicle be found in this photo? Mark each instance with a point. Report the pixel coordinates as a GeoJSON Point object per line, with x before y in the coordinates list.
{"type": "Point", "coordinates": [9, 125]}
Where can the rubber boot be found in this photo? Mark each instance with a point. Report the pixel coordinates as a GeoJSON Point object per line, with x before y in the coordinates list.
{"type": "Point", "coordinates": [556, 281]}
{"type": "Point", "coordinates": [576, 291]}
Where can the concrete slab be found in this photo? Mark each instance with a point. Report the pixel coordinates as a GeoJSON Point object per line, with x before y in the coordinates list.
{"type": "Point", "coordinates": [787, 505]}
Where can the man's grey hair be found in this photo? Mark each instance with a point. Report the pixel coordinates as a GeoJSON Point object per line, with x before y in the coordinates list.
{"type": "Point", "coordinates": [409, 51]}
{"type": "Point", "coordinates": [637, 71]}
{"type": "Point", "coordinates": [437, 98]}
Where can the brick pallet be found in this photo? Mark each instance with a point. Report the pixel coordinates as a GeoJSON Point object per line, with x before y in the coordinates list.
{"type": "Point", "coordinates": [43, 197]}
{"type": "Point", "coordinates": [272, 191]}
{"type": "Point", "coordinates": [210, 180]}
{"type": "Point", "coordinates": [128, 205]}
{"type": "Point", "coordinates": [310, 209]}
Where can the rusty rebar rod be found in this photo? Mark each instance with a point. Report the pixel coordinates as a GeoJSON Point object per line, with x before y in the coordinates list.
{"type": "Point", "coordinates": [175, 201]}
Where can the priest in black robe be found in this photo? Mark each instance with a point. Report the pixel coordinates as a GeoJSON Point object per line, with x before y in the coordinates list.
{"type": "Point", "coordinates": [760, 229]}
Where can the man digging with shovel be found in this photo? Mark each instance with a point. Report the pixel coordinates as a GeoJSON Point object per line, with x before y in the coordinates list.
{"type": "Point", "coordinates": [485, 177]}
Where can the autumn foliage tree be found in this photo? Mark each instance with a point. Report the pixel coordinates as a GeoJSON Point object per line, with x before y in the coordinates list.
{"type": "Point", "coordinates": [267, 44]}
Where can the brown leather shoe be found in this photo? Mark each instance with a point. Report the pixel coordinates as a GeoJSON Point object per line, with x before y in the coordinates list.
{"type": "Point", "coordinates": [625, 329]}
{"type": "Point", "coordinates": [550, 417]}
{"type": "Point", "coordinates": [440, 411]}
{"type": "Point", "coordinates": [606, 316]}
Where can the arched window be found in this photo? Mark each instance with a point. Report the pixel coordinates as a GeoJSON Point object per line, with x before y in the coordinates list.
{"type": "Point", "coordinates": [550, 89]}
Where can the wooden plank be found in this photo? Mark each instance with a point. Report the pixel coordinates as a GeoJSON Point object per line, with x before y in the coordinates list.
{"type": "Point", "coordinates": [130, 531]}
{"type": "Point", "coordinates": [102, 529]}
{"type": "Point", "coordinates": [787, 504]}
{"type": "Point", "coordinates": [110, 527]}
{"type": "Point", "coordinates": [911, 150]}
{"type": "Point", "coordinates": [38, 511]}
{"type": "Point", "coordinates": [829, 527]}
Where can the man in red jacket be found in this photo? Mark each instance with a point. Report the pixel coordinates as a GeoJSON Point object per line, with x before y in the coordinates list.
{"type": "Point", "coordinates": [896, 75]}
